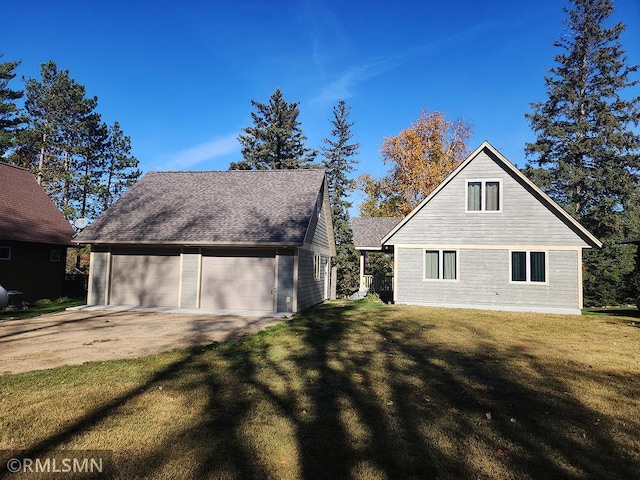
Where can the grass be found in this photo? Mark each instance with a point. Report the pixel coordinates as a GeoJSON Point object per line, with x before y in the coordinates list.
{"type": "Point", "coordinates": [41, 307]}
{"type": "Point", "coordinates": [355, 390]}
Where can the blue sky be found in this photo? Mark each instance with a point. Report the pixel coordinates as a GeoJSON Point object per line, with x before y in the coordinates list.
{"type": "Point", "coordinates": [180, 76]}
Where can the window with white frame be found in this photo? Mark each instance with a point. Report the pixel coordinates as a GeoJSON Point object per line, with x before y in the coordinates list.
{"type": "Point", "coordinates": [527, 266]}
{"type": "Point", "coordinates": [484, 196]}
{"type": "Point", "coordinates": [317, 267]}
{"type": "Point", "coordinates": [5, 253]}
{"type": "Point", "coordinates": [440, 265]}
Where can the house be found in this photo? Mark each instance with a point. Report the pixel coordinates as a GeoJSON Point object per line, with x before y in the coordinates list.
{"type": "Point", "coordinates": [226, 240]}
{"type": "Point", "coordinates": [34, 236]}
{"type": "Point", "coordinates": [488, 238]}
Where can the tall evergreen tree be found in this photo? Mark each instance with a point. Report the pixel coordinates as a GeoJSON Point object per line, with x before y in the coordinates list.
{"type": "Point", "coordinates": [338, 162]}
{"type": "Point", "coordinates": [586, 155]}
{"type": "Point", "coordinates": [10, 117]}
{"type": "Point", "coordinates": [120, 168]}
{"type": "Point", "coordinates": [275, 141]}
{"type": "Point", "coordinates": [59, 118]}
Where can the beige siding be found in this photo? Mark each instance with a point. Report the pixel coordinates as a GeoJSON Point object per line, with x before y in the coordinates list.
{"type": "Point", "coordinates": [189, 279]}
{"type": "Point", "coordinates": [523, 219]}
{"type": "Point", "coordinates": [99, 278]}
{"type": "Point", "coordinates": [484, 282]}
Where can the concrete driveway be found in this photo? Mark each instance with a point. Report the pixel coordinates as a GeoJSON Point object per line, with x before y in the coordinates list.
{"type": "Point", "coordinates": [74, 337]}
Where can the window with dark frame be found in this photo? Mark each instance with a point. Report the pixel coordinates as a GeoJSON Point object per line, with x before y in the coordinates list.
{"type": "Point", "coordinates": [55, 255]}
{"type": "Point", "coordinates": [5, 253]}
{"type": "Point", "coordinates": [528, 267]}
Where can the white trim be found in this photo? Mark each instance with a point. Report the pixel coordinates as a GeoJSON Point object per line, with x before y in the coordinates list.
{"type": "Point", "coordinates": [574, 225]}
{"type": "Point", "coordinates": [501, 308]}
{"type": "Point", "coordinates": [181, 267]}
{"type": "Point", "coordinates": [528, 280]}
{"type": "Point", "coordinates": [483, 182]}
{"type": "Point", "coordinates": [457, 246]}
{"type": "Point", "coordinates": [440, 278]}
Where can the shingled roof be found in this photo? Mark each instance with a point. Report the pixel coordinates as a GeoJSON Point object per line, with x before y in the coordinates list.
{"type": "Point", "coordinates": [27, 214]}
{"type": "Point", "coordinates": [368, 232]}
{"type": "Point", "coordinates": [232, 207]}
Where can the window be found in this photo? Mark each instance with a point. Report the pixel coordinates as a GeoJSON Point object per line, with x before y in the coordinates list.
{"type": "Point", "coordinates": [317, 267]}
{"type": "Point", "coordinates": [5, 253]}
{"type": "Point", "coordinates": [55, 256]}
{"type": "Point", "coordinates": [483, 196]}
{"type": "Point", "coordinates": [529, 267]}
{"type": "Point", "coordinates": [440, 265]}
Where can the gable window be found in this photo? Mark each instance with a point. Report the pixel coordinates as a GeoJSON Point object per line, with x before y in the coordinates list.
{"type": "Point", "coordinates": [440, 265]}
{"type": "Point", "coordinates": [5, 253]}
{"type": "Point", "coordinates": [483, 196]}
{"type": "Point", "coordinates": [529, 267]}
{"type": "Point", "coordinates": [55, 256]}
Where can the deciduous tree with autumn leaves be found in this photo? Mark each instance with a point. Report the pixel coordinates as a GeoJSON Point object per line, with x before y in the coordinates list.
{"type": "Point", "coordinates": [421, 156]}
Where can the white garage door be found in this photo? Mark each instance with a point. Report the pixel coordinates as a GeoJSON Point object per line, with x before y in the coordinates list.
{"type": "Point", "coordinates": [145, 280]}
{"type": "Point", "coordinates": [237, 282]}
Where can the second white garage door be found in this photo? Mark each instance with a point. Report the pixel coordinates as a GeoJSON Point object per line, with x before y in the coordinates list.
{"type": "Point", "coordinates": [238, 283]}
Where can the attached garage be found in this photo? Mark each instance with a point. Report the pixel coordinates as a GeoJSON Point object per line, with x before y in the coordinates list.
{"type": "Point", "coordinates": [238, 282]}
{"type": "Point", "coordinates": [150, 280]}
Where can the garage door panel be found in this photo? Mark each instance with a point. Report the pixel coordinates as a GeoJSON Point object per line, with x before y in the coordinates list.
{"type": "Point", "coordinates": [238, 283]}
{"type": "Point", "coordinates": [145, 280]}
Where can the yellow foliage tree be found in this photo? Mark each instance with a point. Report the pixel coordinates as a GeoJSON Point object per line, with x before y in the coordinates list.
{"type": "Point", "coordinates": [421, 156]}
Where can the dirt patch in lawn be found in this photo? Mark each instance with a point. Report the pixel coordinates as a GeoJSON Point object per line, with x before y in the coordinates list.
{"type": "Point", "coordinates": [76, 337]}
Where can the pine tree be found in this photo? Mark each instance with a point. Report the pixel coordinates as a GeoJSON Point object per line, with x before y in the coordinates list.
{"type": "Point", "coordinates": [120, 169]}
{"type": "Point", "coordinates": [59, 117]}
{"type": "Point", "coordinates": [275, 141]}
{"type": "Point", "coordinates": [10, 117]}
{"type": "Point", "coordinates": [339, 162]}
{"type": "Point", "coordinates": [586, 154]}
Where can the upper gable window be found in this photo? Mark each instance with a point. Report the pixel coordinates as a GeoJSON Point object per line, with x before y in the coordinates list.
{"type": "Point", "coordinates": [5, 253]}
{"type": "Point", "coordinates": [484, 196]}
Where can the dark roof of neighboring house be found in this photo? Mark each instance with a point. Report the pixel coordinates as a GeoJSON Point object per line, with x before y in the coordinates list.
{"type": "Point", "coordinates": [27, 214]}
{"type": "Point", "coordinates": [368, 232]}
{"type": "Point", "coordinates": [232, 207]}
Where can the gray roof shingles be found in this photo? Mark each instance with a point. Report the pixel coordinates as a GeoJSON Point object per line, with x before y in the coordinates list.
{"type": "Point", "coordinates": [27, 214]}
{"type": "Point", "coordinates": [212, 208]}
{"type": "Point", "coordinates": [369, 231]}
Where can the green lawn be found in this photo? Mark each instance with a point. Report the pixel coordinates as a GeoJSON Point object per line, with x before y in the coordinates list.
{"type": "Point", "coordinates": [356, 390]}
{"type": "Point", "coordinates": [41, 307]}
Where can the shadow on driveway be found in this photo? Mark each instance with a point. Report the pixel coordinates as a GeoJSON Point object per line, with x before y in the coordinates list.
{"type": "Point", "coordinates": [77, 336]}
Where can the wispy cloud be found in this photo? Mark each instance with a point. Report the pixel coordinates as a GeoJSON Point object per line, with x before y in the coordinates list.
{"type": "Point", "coordinates": [190, 157]}
{"type": "Point", "coordinates": [344, 84]}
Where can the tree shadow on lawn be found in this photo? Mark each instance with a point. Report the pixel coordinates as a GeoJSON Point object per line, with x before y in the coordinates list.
{"type": "Point", "coordinates": [333, 397]}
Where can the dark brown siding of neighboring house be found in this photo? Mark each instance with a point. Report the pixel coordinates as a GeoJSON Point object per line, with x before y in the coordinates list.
{"type": "Point", "coordinates": [31, 271]}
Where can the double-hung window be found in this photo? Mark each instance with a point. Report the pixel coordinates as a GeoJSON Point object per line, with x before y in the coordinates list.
{"type": "Point", "coordinates": [528, 266]}
{"type": "Point", "coordinates": [484, 196]}
{"type": "Point", "coordinates": [440, 265]}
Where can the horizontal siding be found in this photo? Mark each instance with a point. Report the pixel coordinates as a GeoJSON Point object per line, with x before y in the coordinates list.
{"type": "Point", "coordinates": [189, 280]}
{"type": "Point", "coordinates": [284, 302]}
{"type": "Point", "coordinates": [99, 278]}
{"type": "Point", "coordinates": [310, 290]}
{"type": "Point", "coordinates": [522, 221]}
{"type": "Point", "coordinates": [31, 271]}
{"type": "Point", "coordinates": [483, 281]}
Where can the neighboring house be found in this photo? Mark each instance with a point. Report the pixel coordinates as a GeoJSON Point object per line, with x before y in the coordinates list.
{"type": "Point", "coordinates": [34, 236]}
{"type": "Point", "coordinates": [227, 240]}
{"type": "Point", "coordinates": [489, 238]}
